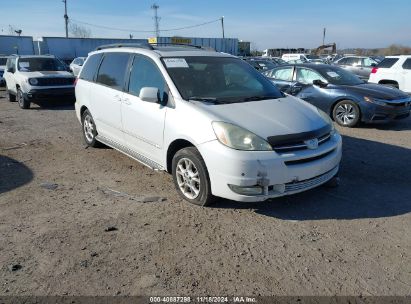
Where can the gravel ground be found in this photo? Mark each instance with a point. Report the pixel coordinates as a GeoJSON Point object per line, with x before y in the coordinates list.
{"type": "Point", "coordinates": [77, 221]}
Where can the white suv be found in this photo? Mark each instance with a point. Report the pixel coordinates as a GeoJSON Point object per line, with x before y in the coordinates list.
{"type": "Point", "coordinates": [393, 71]}
{"type": "Point", "coordinates": [37, 78]}
{"type": "Point", "coordinates": [210, 119]}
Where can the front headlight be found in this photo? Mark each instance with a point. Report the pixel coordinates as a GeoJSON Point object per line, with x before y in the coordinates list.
{"type": "Point", "coordinates": [238, 138]}
{"type": "Point", "coordinates": [376, 101]}
{"type": "Point", "coordinates": [328, 119]}
{"type": "Point", "coordinates": [33, 81]}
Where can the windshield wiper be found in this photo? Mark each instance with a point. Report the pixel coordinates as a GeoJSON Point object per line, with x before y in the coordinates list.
{"type": "Point", "coordinates": [206, 99]}
{"type": "Point", "coordinates": [261, 97]}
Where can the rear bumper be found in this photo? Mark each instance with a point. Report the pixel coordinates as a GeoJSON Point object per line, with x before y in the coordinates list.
{"type": "Point", "coordinates": [50, 94]}
{"type": "Point", "coordinates": [377, 113]}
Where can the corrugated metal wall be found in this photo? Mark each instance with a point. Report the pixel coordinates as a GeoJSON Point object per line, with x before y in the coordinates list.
{"type": "Point", "coordinates": [16, 45]}
{"type": "Point", "coordinates": [70, 48]}
{"type": "Point", "coordinates": [226, 45]}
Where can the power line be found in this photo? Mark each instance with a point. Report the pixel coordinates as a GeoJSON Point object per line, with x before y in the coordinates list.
{"type": "Point", "coordinates": [144, 31]}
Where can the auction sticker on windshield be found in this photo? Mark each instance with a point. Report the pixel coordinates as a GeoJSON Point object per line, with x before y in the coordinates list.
{"type": "Point", "coordinates": [176, 63]}
{"type": "Point", "coordinates": [333, 74]}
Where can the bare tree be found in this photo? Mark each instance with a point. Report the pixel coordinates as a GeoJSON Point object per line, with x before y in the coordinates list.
{"type": "Point", "coordinates": [79, 31]}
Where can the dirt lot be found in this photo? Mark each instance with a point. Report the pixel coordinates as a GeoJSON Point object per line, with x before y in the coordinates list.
{"type": "Point", "coordinates": [57, 200]}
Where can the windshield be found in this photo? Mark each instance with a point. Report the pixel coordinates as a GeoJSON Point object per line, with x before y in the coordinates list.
{"type": "Point", "coordinates": [3, 61]}
{"type": "Point", "coordinates": [219, 79]}
{"type": "Point", "coordinates": [40, 64]}
{"type": "Point", "coordinates": [339, 76]}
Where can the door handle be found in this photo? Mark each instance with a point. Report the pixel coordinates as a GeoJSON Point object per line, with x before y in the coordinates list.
{"type": "Point", "coordinates": [127, 101]}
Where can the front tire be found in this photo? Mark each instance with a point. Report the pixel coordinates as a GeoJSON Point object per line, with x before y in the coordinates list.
{"type": "Point", "coordinates": [89, 130]}
{"type": "Point", "coordinates": [23, 102]}
{"type": "Point", "coordinates": [191, 178]}
{"type": "Point", "coordinates": [10, 97]}
{"type": "Point", "coordinates": [346, 113]}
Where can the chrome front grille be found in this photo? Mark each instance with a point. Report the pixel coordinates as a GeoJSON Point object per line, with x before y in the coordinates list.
{"type": "Point", "coordinates": [300, 145]}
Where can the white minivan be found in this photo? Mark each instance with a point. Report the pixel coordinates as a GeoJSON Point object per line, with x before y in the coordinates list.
{"type": "Point", "coordinates": [211, 120]}
{"type": "Point", "coordinates": [289, 57]}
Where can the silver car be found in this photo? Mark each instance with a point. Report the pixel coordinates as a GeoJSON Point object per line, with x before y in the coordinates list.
{"type": "Point", "coordinates": [76, 65]}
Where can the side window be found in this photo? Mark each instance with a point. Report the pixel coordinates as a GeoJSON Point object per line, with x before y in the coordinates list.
{"type": "Point", "coordinates": [112, 70]}
{"type": "Point", "coordinates": [90, 68]}
{"type": "Point", "coordinates": [145, 73]}
{"type": "Point", "coordinates": [342, 61]}
{"type": "Point", "coordinates": [285, 74]}
{"type": "Point", "coordinates": [407, 64]}
{"type": "Point", "coordinates": [367, 62]}
{"type": "Point", "coordinates": [353, 61]}
{"type": "Point", "coordinates": [307, 76]}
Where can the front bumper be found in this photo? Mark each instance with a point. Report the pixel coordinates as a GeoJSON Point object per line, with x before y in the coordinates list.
{"type": "Point", "coordinates": [378, 113]}
{"type": "Point", "coordinates": [50, 94]}
{"type": "Point", "coordinates": [276, 174]}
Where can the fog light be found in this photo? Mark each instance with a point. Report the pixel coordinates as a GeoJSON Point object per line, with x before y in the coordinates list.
{"type": "Point", "coordinates": [246, 190]}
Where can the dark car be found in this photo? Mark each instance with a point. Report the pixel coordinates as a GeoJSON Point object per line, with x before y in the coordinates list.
{"type": "Point", "coordinates": [341, 94]}
{"type": "Point", "coordinates": [359, 65]}
{"type": "Point", "coordinates": [260, 64]}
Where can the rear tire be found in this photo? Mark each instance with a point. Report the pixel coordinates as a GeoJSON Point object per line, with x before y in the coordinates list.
{"type": "Point", "coordinates": [23, 102]}
{"type": "Point", "coordinates": [346, 113]}
{"type": "Point", "coordinates": [89, 130]}
{"type": "Point", "coordinates": [191, 178]}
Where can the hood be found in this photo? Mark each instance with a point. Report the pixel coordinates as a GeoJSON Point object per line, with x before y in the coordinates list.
{"type": "Point", "coordinates": [271, 117]}
{"type": "Point", "coordinates": [376, 91]}
{"type": "Point", "coordinates": [52, 74]}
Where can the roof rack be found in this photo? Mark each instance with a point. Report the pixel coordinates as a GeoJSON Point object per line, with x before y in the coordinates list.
{"type": "Point", "coordinates": [120, 45]}
{"type": "Point", "coordinates": [183, 45]}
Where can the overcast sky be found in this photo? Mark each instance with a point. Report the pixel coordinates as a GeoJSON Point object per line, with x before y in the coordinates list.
{"type": "Point", "coordinates": [267, 24]}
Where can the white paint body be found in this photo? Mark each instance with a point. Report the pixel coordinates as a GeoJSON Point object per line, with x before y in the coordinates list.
{"type": "Point", "coordinates": [149, 129]}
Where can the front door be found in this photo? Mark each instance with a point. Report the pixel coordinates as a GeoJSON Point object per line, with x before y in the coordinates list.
{"type": "Point", "coordinates": [143, 122]}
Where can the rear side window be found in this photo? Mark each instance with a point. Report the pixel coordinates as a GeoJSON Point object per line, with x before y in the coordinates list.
{"type": "Point", "coordinates": [285, 74]}
{"type": "Point", "coordinates": [407, 64]}
{"type": "Point", "coordinates": [387, 63]}
{"type": "Point", "coordinates": [89, 70]}
{"type": "Point", "coordinates": [112, 70]}
{"type": "Point", "coordinates": [146, 74]}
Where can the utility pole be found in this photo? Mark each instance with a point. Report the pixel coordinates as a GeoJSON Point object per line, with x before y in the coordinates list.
{"type": "Point", "coordinates": [66, 17]}
{"type": "Point", "coordinates": [324, 35]}
{"type": "Point", "coordinates": [222, 25]}
{"type": "Point", "coordinates": [156, 18]}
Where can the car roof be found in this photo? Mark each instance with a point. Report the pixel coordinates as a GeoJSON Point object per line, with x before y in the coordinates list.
{"type": "Point", "coordinates": [398, 56]}
{"type": "Point", "coordinates": [306, 65]}
{"type": "Point", "coordinates": [33, 56]}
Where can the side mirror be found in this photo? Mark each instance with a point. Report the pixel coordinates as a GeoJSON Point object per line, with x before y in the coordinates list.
{"type": "Point", "coordinates": [150, 94]}
{"type": "Point", "coordinates": [320, 83]}
{"type": "Point", "coordinates": [373, 65]}
{"type": "Point", "coordinates": [10, 70]}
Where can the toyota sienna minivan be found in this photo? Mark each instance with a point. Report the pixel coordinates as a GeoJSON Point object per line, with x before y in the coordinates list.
{"type": "Point", "coordinates": [211, 120]}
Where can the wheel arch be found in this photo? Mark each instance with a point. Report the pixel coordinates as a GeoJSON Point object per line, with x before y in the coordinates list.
{"type": "Point", "coordinates": [389, 81]}
{"type": "Point", "coordinates": [173, 148]}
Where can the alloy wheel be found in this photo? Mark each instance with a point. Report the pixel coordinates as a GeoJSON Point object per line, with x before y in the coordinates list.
{"type": "Point", "coordinates": [88, 126]}
{"type": "Point", "coordinates": [188, 178]}
{"type": "Point", "coordinates": [345, 113]}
